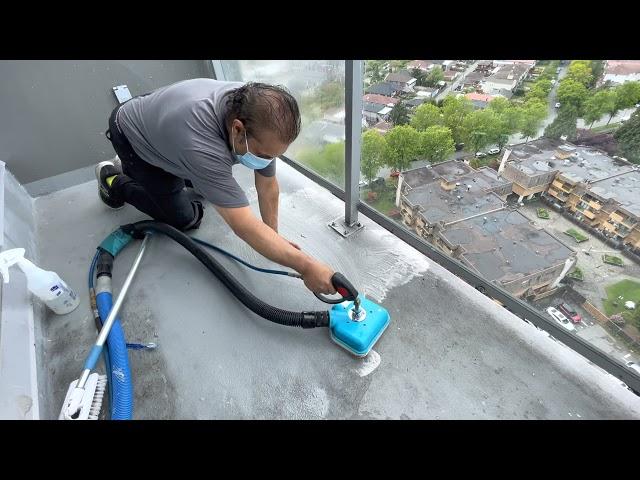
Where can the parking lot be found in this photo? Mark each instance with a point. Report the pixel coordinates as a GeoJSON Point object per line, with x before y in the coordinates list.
{"type": "Point", "coordinates": [597, 274]}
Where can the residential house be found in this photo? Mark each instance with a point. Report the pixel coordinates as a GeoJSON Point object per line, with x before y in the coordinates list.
{"type": "Point", "coordinates": [484, 66]}
{"type": "Point", "coordinates": [387, 89]}
{"type": "Point", "coordinates": [415, 102]}
{"type": "Point", "coordinates": [424, 65]}
{"type": "Point", "coordinates": [380, 99]}
{"type": "Point", "coordinates": [402, 79]}
{"type": "Point", "coordinates": [479, 100]}
{"type": "Point", "coordinates": [374, 112]}
{"type": "Point", "coordinates": [473, 79]}
{"type": "Point", "coordinates": [426, 92]}
{"type": "Point", "coordinates": [505, 78]}
{"type": "Point", "coordinates": [620, 71]}
{"type": "Point", "coordinates": [451, 75]}
{"type": "Point", "coordinates": [527, 63]}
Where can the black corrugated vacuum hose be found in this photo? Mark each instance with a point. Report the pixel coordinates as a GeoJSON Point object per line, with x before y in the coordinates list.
{"type": "Point", "coordinates": [277, 315]}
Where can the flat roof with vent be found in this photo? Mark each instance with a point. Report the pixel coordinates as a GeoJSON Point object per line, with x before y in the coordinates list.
{"type": "Point", "coordinates": [583, 165]}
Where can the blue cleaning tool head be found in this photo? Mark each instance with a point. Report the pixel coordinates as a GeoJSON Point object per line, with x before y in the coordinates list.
{"type": "Point", "coordinates": [358, 335]}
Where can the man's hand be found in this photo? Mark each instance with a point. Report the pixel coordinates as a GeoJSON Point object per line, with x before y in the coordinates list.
{"type": "Point", "coordinates": [317, 278]}
{"type": "Point", "coordinates": [263, 239]}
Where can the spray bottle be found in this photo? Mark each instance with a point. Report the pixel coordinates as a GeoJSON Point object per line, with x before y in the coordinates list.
{"type": "Point", "coordinates": [45, 285]}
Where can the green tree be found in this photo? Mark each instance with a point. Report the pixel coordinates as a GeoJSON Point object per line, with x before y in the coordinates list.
{"type": "Point", "coordinates": [328, 161]}
{"type": "Point", "coordinates": [512, 119]}
{"type": "Point", "coordinates": [436, 143]}
{"type": "Point", "coordinates": [481, 128]}
{"type": "Point", "coordinates": [597, 105]}
{"type": "Point", "coordinates": [420, 76]}
{"type": "Point", "coordinates": [628, 137]}
{"type": "Point", "coordinates": [499, 104]}
{"type": "Point", "coordinates": [403, 146]}
{"type": "Point", "coordinates": [425, 116]}
{"type": "Point", "coordinates": [372, 154]}
{"type": "Point", "coordinates": [399, 114]}
{"type": "Point", "coordinates": [597, 69]}
{"type": "Point", "coordinates": [580, 71]}
{"type": "Point", "coordinates": [374, 70]}
{"type": "Point", "coordinates": [571, 92]}
{"type": "Point", "coordinates": [434, 76]}
{"type": "Point", "coordinates": [395, 65]}
{"type": "Point", "coordinates": [454, 110]}
{"type": "Point", "coordinates": [330, 95]}
{"type": "Point", "coordinates": [627, 95]}
{"type": "Point", "coordinates": [532, 115]}
{"type": "Point", "coordinates": [538, 91]}
{"type": "Point", "coordinates": [564, 124]}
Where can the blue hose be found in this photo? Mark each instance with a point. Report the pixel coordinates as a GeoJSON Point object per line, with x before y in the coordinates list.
{"type": "Point", "coordinates": [121, 385]}
{"type": "Point", "coordinates": [105, 351]}
{"type": "Point", "coordinates": [115, 351]}
{"type": "Point", "coordinates": [246, 264]}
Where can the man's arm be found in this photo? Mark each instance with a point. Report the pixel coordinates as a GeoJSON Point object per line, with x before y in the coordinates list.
{"type": "Point", "coordinates": [268, 196]}
{"type": "Point", "coordinates": [265, 240]}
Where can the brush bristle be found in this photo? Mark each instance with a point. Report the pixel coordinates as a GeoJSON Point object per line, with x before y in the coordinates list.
{"type": "Point", "coordinates": [98, 396]}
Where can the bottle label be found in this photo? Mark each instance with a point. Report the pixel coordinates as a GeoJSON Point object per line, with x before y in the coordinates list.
{"type": "Point", "coordinates": [65, 298]}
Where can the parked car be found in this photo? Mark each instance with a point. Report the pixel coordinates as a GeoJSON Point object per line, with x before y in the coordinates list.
{"type": "Point", "coordinates": [633, 366]}
{"type": "Point", "coordinates": [553, 82]}
{"type": "Point", "coordinates": [560, 318]}
{"type": "Point", "coordinates": [494, 151]}
{"type": "Point", "coordinates": [459, 146]}
{"type": "Point", "coordinates": [480, 154]}
{"type": "Point", "coordinates": [557, 104]}
{"type": "Point", "coordinates": [570, 312]}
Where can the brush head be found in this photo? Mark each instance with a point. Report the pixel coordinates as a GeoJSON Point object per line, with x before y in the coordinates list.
{"type": "Point", "coordinates": [357, 335]}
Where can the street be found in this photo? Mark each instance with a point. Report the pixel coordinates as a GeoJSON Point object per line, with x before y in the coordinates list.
{"type": "Point", "coordinates": [452, 86]}
{"type": "Point", "coordinates": [552, 111]}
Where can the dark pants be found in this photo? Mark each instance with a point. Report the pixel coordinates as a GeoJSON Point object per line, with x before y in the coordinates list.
{"type": "Point", "coordinates": [150, 189]}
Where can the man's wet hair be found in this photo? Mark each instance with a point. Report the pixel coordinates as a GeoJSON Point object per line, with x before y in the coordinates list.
{"type": "Point", "coordinates": [260, 107]}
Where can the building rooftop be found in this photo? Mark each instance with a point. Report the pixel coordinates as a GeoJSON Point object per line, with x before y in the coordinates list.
{"type": "Point", "coordinates": [372, 107]}
{"type": "Point", "coordinates": [438, 204]}
{"type": "Point", "coordinates": [504, 245]}
{"type": "Point", "coordinates": [589, 165]}
{"type": "Point", "coordinates": [414, 102]}
{"type": "Point", "coordinates": [624, 189]}
{"type": "Point", "coordinates": [582, 164]}
{"type": "Point", "coordinates": [401, 76]}
{"type": "Point", "coordinates": [482, 97]}
{"type": "Point", "coordinates": [622, 67]}
{"type": "Point", "coordinates": [507, 73]}
{"type": "Point", "coordinates": [380, 99]}
{"type": "Point", "coordinates": [420, 64]}
{"type": "Point", "coordinates": [383, 88]}
{"type": "Point", "coordinates": [449, 170]}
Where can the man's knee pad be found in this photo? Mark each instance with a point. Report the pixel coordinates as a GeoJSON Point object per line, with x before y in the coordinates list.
{"type": "Point", "coordinates": [198, 211]}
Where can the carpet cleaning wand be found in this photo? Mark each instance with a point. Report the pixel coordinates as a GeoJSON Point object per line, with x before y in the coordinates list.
{"type": "Point", "coordinates": [355, 323]}
{"type": "Point", "coordinates": [84, 397]}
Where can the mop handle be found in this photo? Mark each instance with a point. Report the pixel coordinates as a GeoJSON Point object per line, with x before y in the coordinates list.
{"type": "Point", "coordinates": [92, 359]}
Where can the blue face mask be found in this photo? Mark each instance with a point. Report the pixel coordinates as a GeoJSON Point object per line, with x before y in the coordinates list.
{"type": "Point", "coordinates": [249, 159]}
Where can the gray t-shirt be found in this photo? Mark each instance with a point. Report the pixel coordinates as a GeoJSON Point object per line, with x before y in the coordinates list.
{"type": "Point", "coordinates": [181, 129]}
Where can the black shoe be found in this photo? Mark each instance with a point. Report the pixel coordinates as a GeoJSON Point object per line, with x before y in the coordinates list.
{"type": "Point", "coordinates": [103, 171]}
